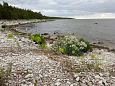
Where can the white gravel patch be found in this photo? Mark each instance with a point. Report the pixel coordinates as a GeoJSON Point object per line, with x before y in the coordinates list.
{"type": "Point", "coordinates": [29, 69]}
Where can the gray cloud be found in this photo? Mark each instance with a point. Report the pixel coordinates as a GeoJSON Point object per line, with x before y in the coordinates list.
{"type": "Point", "coordinates": [69, 8]}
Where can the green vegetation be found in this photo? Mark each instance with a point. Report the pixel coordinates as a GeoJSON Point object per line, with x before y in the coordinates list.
{"type": "Point", "coordinates": [10, 36]}
{"type": "Point", "coordinates": [10, 12]}
{"type": "Point", "coordinates": [70, 45]}
{"type": "Point", "coordinates": [39, 40]}
{"type": "Point", "coordinates": [94, 64]}
{"type": "Point", "coordinates": [5, 75]}
{"type": "Point", "coordinates": [35, 83]}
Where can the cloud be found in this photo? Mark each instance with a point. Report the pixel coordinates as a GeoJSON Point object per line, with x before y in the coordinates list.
{"type": "Point", "coordinates": [97, 16]}
{"type": "Point", "coordinates": [69, 8]}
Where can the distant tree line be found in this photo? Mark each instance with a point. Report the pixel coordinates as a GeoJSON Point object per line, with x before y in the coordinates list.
{"type": "Point", "coordinates": [10, 12]}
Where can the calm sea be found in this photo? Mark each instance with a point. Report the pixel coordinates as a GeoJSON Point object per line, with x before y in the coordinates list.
{"type": "Point", "coordinates": [91, 29]}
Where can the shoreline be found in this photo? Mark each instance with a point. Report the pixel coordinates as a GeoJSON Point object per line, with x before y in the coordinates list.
{"type": "Point", "coordinates": [18, 23]}
{"type": "Point", "coordinates": [22, 22]}
{"type": "Point", "coordinates": [43, 67]}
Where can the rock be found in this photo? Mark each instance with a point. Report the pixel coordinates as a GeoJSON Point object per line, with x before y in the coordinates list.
{"type": "Point", "coordinates": [75, 75]}
{"type": "Point", "coordinates": [51, 41]}
{"type": "Point", "coordinates": [78, 78]}
{"type": "Point", "coordinates": [30, 84]}
{"type": "Point", "coordinates": [96, 23]}
{"type": "Point", "coordinates": [101, 74]}
{"type": "Point", "coordinates": [29, 76]}
{"type": "Point", "coordinates": [112, 73]}
{"type": "Point", "coordinates": [89, 84]}
{"type": "Point", "coordinates": [45, 34]}
{"type": "Point", "coordinates": [68, 82]}
{"type": "Point", "coordinates": [29, 71]}
{"type": "Point", "coordinates": [2, 40]}
{"type": "Point", "coordinates": [23, 81]}
{"type": "Point", "coordinates": [97, 76]}
{"type": "Point", "coordinates": [74, 84]}
{"type": "Point", "coordinates": [82, 84]}
{"type": "Point", "coordinates": [57, 83]}
{"type": "Point", "coordinates": [104, 82]}
{"type": "Point", "coordinates": [113, 50]}
{"type": "Point", "coordinates": [100, 83]}
{"type": "Point", "coordinates": [100, 42]}
{"type": "Point", "coordinates": [4, 26]}
{"type": "Point", "coordinates": [56, 32]}
{"type": "Point", "coordinates": [53, 37]}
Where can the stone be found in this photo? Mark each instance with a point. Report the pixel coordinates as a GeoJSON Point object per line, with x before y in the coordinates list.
{"type": "Point", "coordinates": [101, 74]}
{"type": "Point", "coordinates": [46, 34]}
{"type": "Point", "coordinates": [100, 82]}
{"type": "Point", "coordinates": [95, 23]}
{"type": "Point", "coordinates": [29, 76]}
{"type": "Point", "coordinates": [97, 76]}
{"type": "Point", "coordinates": [82, 84]}
{"type": "Point", "coordinates": [57, 83]}
{"type": "Point", "coordinates": [104, 82]}
{"type": "Point", "coordinates": [78, 78]}
{"type": "Point", "coordinates": [75, 75]}
{"type": "Point", "coordinates": [74, 84]}
{"type": "Point", "coordinates": [2, 40]}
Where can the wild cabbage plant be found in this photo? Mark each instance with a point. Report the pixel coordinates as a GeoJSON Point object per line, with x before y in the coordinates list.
{"type": "Point", "coordinates": [71, 45]}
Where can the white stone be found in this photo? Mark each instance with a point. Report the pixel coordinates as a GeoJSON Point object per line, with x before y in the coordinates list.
{"type": "Point", "coordinates": [57, 83]}
{"type": "Point", "coordinates": [74, 84]}
{"type": "Point", "coordinates": [29, 76]}
{"type": "Point", "coordinates": [78, 78]}
{"type": "Point", "coordinates": [97, 76]}
{"type": "Point", "coordinates": [100, 82]}
{"type": "Point", "coordinates": [100, 74]}
{"type": "Point", "coordinates": [2, 40]}
{"type": "Point", "coordinates": [75, 75]}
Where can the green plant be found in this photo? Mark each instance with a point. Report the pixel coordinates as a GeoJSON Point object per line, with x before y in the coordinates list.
{"type": "Point", "coordinates": [10, 36]}
{"type": "Point", "coordinates": [93, 64]}
{"type": "Point", "coordinates": [5, 75]}
{"type": "Point", "coordinates": [18, 44]}
{"type": "Point", "coordinates": [70, 45]}
{"type": "Point", "coordinates": [38, 40]}
{"type": "Point", "coordinates": [35, 83]}
{"type": "Point", "coordinates": [96, 62]}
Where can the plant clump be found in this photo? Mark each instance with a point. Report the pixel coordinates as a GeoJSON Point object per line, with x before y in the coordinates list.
{"type": "Point", "coordinates": [71, 45]}
{"type": "Point", "coordinates": [38, 39]}
{"type": "Point", "coordinates": [93, 63]}
{"type": "Point", "coordinates": [10, 36]}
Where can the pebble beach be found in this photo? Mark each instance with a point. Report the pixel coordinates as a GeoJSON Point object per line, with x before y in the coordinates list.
{"type": "Point", "coordinates": [32, 66]}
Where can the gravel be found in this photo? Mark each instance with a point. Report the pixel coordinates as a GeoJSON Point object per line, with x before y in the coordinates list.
{"type": "Point", "coordinates": [32, 67]}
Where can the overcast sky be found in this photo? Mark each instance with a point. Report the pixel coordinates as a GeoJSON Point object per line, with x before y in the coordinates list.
{"type": "Point", "coordinates": [69, 8]}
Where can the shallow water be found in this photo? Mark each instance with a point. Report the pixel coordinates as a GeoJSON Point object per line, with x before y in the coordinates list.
{"type": "Point", "coordinates": [90, 29]}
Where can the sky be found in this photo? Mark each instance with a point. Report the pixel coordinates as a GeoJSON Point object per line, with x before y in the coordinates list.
{"type": "Point", "coordinates": [79, 9]}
